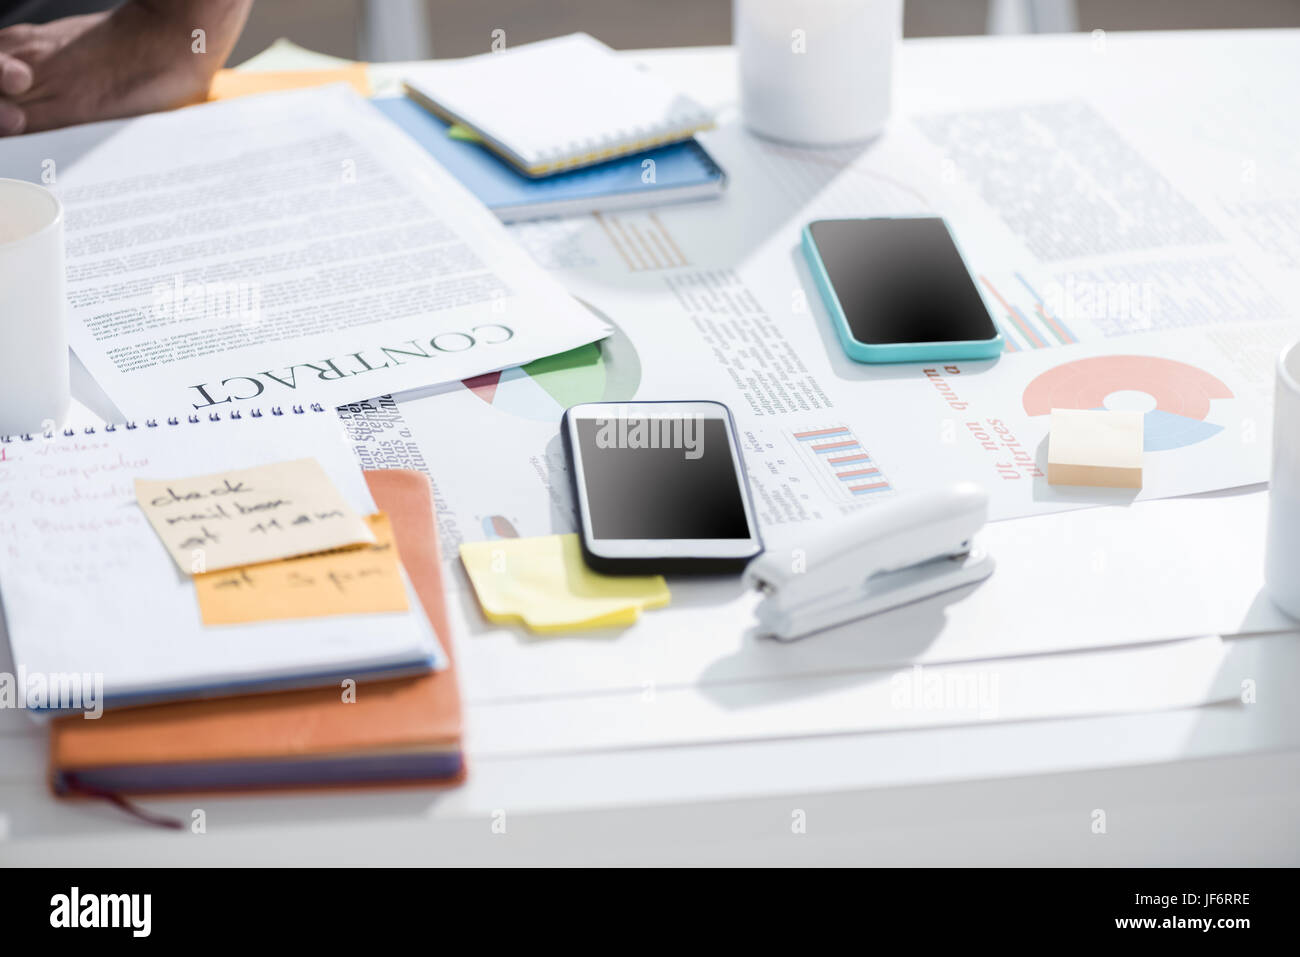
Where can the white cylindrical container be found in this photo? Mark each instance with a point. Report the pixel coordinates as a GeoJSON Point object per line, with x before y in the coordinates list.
{"type": "Point", "coordinates": [33, 310]}
{"type": "Point", "coordinates": [817, 72]}
{"type": "Point", "coordinates": [1282, 560]}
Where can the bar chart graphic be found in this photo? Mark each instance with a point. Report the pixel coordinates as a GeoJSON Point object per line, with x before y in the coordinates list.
{"type": "Point", "coordinates": [841, 463]}
{"type": "Point", "coordinates": [1025, 320]}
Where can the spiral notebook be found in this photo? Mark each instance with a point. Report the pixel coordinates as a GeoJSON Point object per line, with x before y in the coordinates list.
{"type": "Point", "coordinates": [90, 593]}
{"type": "Point", "coordinates": [557, 104]}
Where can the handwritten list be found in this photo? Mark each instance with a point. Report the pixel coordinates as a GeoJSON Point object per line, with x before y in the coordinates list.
{"type": "Point", "coordinates": [347, 581]}
{"type": "Point", "coordinates": [247, 516]}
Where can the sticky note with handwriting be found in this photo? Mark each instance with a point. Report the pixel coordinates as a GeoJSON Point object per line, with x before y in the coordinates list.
{"type": "Point", "coordinates": [247, 516]}
{"type": "Point", "coordinates": [348, 581]}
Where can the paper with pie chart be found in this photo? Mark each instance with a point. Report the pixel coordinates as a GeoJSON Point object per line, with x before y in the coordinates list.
{"type": "Point", "coordinates": [1183, 395]}
{"type": "Point", "coordinates": [1203, 427]}
{"type": "Point", "coordinates": [604, 371]}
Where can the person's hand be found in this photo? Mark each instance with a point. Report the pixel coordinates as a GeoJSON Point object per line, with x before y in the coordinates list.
{"type": "Point", "coordinates": [15, 78]}
{"type": "Point", "coordinates": [22, 47]}
{"type": "Point", "coordinates": [134, 59]}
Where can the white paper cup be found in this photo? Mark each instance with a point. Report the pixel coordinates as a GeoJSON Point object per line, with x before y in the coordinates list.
{"type": "Point", "coordinates": [1282, 561]}
{"type": "Point", "coordinates": [33, 310]}
{"type": "Point", "coordinates": [817, 72]}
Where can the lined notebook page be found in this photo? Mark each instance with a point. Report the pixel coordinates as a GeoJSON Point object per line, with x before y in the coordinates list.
{"type": "Point", "coordinates": [89, 587]}
{"type": "Point", "coordinates": [559, 103]}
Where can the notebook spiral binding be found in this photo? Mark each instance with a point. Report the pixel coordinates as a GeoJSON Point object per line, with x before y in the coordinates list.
{"type": "Point", "coordinates": [191, 419]}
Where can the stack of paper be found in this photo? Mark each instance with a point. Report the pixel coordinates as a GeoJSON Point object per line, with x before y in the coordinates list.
{"type": "Point", "coordinates": [371, 270]}
{"type": "Point", "coordinates": [278, 249]}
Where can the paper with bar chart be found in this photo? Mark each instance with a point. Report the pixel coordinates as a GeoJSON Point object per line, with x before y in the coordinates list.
{"type": "Point", "coordinates": [1111, 292]}
{"type": "Point", "coordinates": [823, 440]}
{"type": "Point", "coordinates": [842, 462]}
{"type": "Point", "coordinates": [1025, 317]}
{"type": "Point", "coordinates": [1114, 287]}
{"type": "Point", "coordinates": [818, 449]}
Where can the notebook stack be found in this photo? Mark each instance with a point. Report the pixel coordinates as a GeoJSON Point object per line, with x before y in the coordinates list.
{"type": "Point", "coordinates": [226, 602]}
{"type": "Point", "coordinates": [558, 127]}
{"type": "Point", "coordinates": [400, 730]}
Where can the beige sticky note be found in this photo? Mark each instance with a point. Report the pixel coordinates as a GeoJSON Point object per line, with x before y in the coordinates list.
{"type": "Point", "coordinates": [1095, 447]}
{"type": "Point", "coordinates": [544, 583]}
{"type": "Point", "coordinates": [349, 581]}
{"type": "Point", "coordinates": [247, 516]}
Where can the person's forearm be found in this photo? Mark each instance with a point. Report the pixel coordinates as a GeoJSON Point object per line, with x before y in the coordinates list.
{"type": "Point", "coordinates": [142, 56]}
{"type": "Point", "coordinates": [173, 24]}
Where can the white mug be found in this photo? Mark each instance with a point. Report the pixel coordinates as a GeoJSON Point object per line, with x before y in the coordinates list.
{"type": "Point", "coordinates": [34, 392]}
{"type": "Point", "coordinates": [1282, 560]}
{"type": "Point", "coordinates": [817, 72]}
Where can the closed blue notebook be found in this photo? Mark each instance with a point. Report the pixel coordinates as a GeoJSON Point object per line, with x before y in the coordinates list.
{"type": "Point", "coordinates": [683, 171]}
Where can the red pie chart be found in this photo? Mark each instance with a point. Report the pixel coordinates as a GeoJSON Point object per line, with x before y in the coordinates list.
{"type": "Point", "coordinates": [1183, 394]}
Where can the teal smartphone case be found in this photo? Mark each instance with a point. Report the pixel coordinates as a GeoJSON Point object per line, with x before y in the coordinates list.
{"type": "Point", "coordinates": [891, 351]}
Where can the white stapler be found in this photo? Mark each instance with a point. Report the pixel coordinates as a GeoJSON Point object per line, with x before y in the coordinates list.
{"type": "Point", "coordinates": [895, 553]}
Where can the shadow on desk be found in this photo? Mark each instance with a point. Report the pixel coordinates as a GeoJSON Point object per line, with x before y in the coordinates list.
{"type": "Point", "coordinates": [866, 651]}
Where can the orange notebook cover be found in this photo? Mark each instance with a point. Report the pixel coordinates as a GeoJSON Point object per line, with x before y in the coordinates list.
{"type": "Point", "coordinates": [403, 729]}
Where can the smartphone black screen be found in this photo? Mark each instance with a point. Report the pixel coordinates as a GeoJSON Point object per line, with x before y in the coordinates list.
{"type": "Point", "coordinates": [901, 280]}
{"type": "Point", "coordinates": [682, 486]}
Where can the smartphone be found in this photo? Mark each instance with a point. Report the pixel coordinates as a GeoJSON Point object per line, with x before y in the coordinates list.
{"type": "Point", "coordinates": [898, 290]}
{"type": "Point", "coordinates": [660, 487]}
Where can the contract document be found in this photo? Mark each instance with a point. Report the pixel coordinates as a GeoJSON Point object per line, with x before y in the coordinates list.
{"type": "Point", "coordinates": [281, 249]}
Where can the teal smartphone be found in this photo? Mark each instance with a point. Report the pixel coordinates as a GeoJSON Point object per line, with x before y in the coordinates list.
{"type": "Point", "coordinates": [898, 290]}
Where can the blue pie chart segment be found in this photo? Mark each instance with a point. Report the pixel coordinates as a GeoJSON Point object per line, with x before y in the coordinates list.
{"type": "Point", "coordinates": [1165, 430]}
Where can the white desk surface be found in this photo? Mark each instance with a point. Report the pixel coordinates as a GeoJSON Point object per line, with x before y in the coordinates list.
{"type": "Point", "coordinates": [1215, 785]}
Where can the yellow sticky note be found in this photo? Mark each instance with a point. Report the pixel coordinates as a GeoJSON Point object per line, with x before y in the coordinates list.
{"type": "Point", "coordinates": [544, 583]}
{"type": "Point", "coordinates": [1095, 447]}
{"type": "Point", "coordinates": [351, 581]}
{"type": "Point", "coordinates": [248, 516]}
{"type": "Point", "coordinates": [228, 84]}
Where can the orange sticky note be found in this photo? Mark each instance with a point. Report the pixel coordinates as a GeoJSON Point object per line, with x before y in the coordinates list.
{"type": "Point", "coordinates": [348, 581]}
{"type": "Point", "coordinates": [228, 84]}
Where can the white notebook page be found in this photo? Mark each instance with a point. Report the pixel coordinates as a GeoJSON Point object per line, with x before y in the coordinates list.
{"type": "Point", "coordinates": [558, 98]}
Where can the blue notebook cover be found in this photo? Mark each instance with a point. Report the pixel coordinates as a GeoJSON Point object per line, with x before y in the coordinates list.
{"type": "Point", "coordinates": [682, 171]}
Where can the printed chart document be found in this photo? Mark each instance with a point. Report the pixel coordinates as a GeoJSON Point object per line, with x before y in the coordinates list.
{"type": "Point", "coordinates": [286, 248]}
{"type": "Point", "coordinates": [716, 302]}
